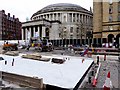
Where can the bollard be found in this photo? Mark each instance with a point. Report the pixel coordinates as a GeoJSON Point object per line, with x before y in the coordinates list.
{"type": "Point", "coordinates": [97, 59]}
{"type": "Point", "coordinates": [89, 79]}
{"type": "Point", "coordinates": [92, 73]}
{"type": "Point", "coordinates": [105, 57]}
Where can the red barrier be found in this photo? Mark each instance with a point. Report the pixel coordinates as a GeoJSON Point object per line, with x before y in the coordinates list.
{"type": "Point", "coordinates": [94, 82]}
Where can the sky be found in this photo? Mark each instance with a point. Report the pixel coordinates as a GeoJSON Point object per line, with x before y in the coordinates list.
{"type": "Point", "coordinates": [23, 9]}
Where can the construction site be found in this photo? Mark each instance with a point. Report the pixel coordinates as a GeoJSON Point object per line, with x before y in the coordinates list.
{"type": "Point", "coordinates": [44, 67]}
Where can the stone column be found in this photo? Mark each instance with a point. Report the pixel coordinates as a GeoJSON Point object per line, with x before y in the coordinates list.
{"type": "Point", "coordinates": [43, 32]}
{"type": "Point", "coordinates": [22, 34]}
{"type": "Point", "coordinates": [82, 18]}
{"type": "Point", "coordinates": [38, 31]}
{"type": "Point", "coordinates": [56, 16]}
{"type": "Point", "coordinates": [53, 17]}
{"type": "Point", "coordinates": [72, 17]}
{"type": "Point", "coordinates": [34, 32]}
{"type": "Point", "coordinates": [29, 33]}
{"type": "Point", "coordinates": [26, 34]}
{"type": "Point", "coordinates": [75, 17]}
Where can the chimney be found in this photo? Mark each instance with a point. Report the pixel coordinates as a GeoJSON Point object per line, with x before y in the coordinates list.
{"type": "Point", "coordinates": [8, 14]}
{"type": "Point", "coordinates": [13, 16]}
{"type": "Point", "coordinates": [3, 11]}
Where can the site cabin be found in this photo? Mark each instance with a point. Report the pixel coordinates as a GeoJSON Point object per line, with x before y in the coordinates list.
{"type": "Point", "coordinates": [40, 45]}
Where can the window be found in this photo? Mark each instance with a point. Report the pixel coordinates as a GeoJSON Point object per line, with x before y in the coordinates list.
{"type": "Point", "coordinates": [77, 30]}
{"type": "Point", "coordinates": [77, 36]}
{"type": "Point", "coordinates": [71, 29]}
{"type": "Point", "coordinates": [110, 18]}
{"type": "Point", "coordinates": [77, 17]}
{"type": "Point", "coordinates": [70, 17]}
{"type": "Point", "coordinates": [71, 36]}
{"type": "Point", "coordinates": [110, 10]}
{"type": "Point", "coordinates": [59, 16]}
{"type": "Point", "coordinates": [54, 16]}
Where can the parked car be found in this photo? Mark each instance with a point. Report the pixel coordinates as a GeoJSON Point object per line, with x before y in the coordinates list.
{"type": "Point", "coordinates": [107, 45]}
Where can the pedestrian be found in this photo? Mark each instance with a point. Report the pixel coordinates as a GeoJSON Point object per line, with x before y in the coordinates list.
{"type": "Point", "coordinates": [105, 57]}
{"type": "Point", "coordinates": [5, 62]}
{"type": "Point", "coordinates": [13, 62]}
{"type": "Point", "coordinates": [97, 59]}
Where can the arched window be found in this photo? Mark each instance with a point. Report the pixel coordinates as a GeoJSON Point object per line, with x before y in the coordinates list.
{"type": "Point", "coordinates": [110, 10]}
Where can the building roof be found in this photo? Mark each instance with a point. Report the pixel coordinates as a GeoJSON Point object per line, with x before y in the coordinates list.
{"type": "Point", "coordinates": [61, 7]}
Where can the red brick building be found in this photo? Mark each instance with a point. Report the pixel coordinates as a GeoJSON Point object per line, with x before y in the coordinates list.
{"type": "Point", "coordinates": [10, 27]}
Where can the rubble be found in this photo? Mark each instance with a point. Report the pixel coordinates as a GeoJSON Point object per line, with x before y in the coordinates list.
{"type": "Point", "coordinates": [12, 53]}
{"type": "Point", "coordinates": [36, 56]}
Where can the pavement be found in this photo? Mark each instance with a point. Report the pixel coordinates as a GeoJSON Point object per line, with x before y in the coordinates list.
{"type": "Point", "coordinates": [111, 64]}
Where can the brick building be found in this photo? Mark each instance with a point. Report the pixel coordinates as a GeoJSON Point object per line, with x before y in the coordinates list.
{"type": "Point", "coordinates": [10, 27]}
{"type": "Point", "coordinates": [106, 21]}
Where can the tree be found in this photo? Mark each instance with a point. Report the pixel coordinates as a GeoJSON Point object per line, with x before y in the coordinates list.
{"type": "Point", "coordinates": [80, 31]}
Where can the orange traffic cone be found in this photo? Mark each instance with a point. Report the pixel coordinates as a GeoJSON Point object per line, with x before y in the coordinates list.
{"type": "Point", "coordinates": [108, 83]}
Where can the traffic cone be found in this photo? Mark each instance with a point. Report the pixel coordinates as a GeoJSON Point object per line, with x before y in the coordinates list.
{"type": "Point", "coordinates": [108, 83]}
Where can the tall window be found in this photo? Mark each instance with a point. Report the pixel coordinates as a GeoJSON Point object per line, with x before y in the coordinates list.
{"type": "Point", "coordinates": [70, 17]}
{"type": "Point", "coordinates": [55, 16]}
{"type": "Point", "coordinates": [77, 17]}
{"type": "Point", "coordinates": [59, 16]}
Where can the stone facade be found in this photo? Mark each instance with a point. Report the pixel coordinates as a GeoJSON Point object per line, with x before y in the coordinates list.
{"type": "Point", "coordinates": [66, 21]}
{"type": "Point", "coordinates": [106, 21]}
{"type": "Point", "coordinates": [10, 27]}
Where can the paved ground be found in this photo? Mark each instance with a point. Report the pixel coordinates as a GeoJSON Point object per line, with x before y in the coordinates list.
{"type": "Point", "coordinates": [111, 64]}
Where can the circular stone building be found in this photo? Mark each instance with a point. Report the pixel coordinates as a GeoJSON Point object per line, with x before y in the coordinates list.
{"type": "Point", "coordinates": [62, 23]}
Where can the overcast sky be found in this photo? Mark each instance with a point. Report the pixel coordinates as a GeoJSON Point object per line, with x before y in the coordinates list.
{"type": "Point", "coordinates": [25, 8]}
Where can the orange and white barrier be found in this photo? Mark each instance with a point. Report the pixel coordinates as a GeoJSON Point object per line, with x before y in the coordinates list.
{"type": "Point", "coordinates": [94, 83]}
